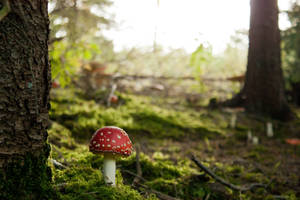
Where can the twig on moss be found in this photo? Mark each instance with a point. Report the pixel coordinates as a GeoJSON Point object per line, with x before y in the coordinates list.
{"type": "Point", "coordinates": [60, 154]}
{"type": "Point", "coordinates": [147, 188]}
{"type": "Point", "coordinates": [207, 196]}
{"type": "Point", "coordinates": [60, 186]}
{"type": "Point", "coordinates": [133, 174]}
{"type": "Point", "coordinates": [222, 181]}
{"type": "Point", "coordinates": [157, 193]}
{"type": "Point", "coordinates": [57, 164]}
{"type": "Point", "coordinates": [138, 166]}
{"type": "Point", "coordinates": [280, 197]}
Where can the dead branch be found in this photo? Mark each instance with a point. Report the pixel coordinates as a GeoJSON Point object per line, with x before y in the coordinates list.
{"type": "Point", "coordinates": [56, 39]}
{"type": "Point", "coordinates": [133, 174]}
{"type": "Point", "coordinates": [138, 165]}
{"type": "Point", "coordinates": [128, 76]}
{"type": "Point", "coordinates": [207, 196]}
{"type": "Point", "coordinates": [222, 181]}
{"type": "Point", "coordinates": [280, 197]}
{"type": "Point", "coordinates": [60, 154]}
{"type": "Point", "coordinates": [57, 164]}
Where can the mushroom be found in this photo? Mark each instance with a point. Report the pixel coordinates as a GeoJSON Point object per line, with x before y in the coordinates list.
{"type": "Point", "coordinates": [113, 99]}
{"type": "Point", "coordinates": [255, 140]}
{"type": "Point", "coordinates": [270, 132]}
{"type": "Point", "coordinates": [234, 112]}
{"type": "Point", "coordinates": [112, 142]}
{"type": "Point", "coordinates": [249, 135]}
{"type": "Point", "coordinates": [233, 120]}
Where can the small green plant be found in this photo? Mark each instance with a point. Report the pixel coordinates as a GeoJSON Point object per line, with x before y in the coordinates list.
{"type": "Point", "coordinates": [66, 59]}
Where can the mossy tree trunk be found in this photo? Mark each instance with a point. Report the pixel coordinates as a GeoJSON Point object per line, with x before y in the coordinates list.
{"type": "Point", "coordinates": [263, 91]}
{"type": "Point", "coordinates": [25, 82]}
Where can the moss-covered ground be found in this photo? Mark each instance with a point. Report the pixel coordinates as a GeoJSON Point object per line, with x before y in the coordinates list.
{"type": "Point", "coordinates": [168, 132]}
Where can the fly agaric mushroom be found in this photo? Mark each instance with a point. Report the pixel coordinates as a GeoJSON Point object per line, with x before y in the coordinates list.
{"type": "Point", "coordinates": [112, 142]}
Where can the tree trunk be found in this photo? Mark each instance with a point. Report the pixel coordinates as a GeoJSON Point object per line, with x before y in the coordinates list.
{"type": "Point", "coordinates": [24, 101]}
{"type": "Point", "coordinates": [263, 91]}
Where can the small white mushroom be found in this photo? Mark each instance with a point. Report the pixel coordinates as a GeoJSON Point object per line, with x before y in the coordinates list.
{"type": "Point", "coordinates": [270, 132]}
{"type": "Point", "coordinates": [255, 140]}
{"type": "Point", "coordinates": [233, 120]}
{"type": "Point", "coordinates": [249, 135]}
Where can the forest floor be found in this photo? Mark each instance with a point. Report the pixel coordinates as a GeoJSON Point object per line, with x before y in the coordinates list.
{"type": "Point", "coordinates": [168, 132]}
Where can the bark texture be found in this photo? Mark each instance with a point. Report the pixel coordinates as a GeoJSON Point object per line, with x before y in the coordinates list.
{"type": "Point", "coordinates": [24, 100]}
{"type": "Point", "coordinates": [263, 91]}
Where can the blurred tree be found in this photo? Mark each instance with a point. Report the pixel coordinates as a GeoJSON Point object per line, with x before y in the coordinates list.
{"type": "Point", "coordinates": [264, 88]}
{"type": "Point", "coordinates": [73, 19]}
{"type": "Point", "coordinates": [291, 53]}
{"type": "Point", "coordinates": [24, 89]}
{"type": "Point", "coordinates": [76, 36]}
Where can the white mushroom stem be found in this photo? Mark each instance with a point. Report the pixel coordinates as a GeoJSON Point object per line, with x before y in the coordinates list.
{"type": "Point", "coordinates": [255, 140]}
{"type": "Point", "coordinates": [109, 170]}
{"type": "Point", "coordinates": [233, 120]}
{"type": "Point", "coordinates": [270, 132]}
{"type": "Point", "coordinates": [249, 135]}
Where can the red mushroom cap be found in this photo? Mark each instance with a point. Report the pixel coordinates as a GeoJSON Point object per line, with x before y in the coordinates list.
{"type": "Point", "coordinates": [113, 99]}
{"type": "Point", "coordinates": [111, 139]}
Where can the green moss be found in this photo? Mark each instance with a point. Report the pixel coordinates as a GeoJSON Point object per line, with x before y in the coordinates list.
{"type": "Point", "coordinates": [88, 183]}
{"type": "Point", "coordinates": [27, 180]}
{"type": "Point", "coordinates": [241, 135]}
{"type": "Point", "coordinates": [85, 181]}
{"type": "Point", "coordinates": [253, 177]}
{"type": "Point", "coordinates": [166, 167]}
{"type": "Point", "coordinates": [137, 116]}
{"type": "Point", "coordinates": [153, 169]}
{"type": "Point", "coordinates": [61, 136]}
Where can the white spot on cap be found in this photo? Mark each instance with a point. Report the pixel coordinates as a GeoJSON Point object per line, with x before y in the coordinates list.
{"type": "Point", "coordinates": [107, 140]}
{"type": "Point", "coordinates": [101, 133]}
{"type": "Point", "coordinates": [118, 146]}
{"type": "Point", "coordinates": [119, 137]}
{"type": "Point", "coordinates": [103, 145]}
{"type": "Point", "coordinates": [97, 145]}
{"type": "Point", "coordinates": [94, 142]}
{"type": "Point", "coordinates": [124, 144]}
{"type": "Point", "coordinates": [128, 142]}
{"type": "Point", "coordinates": [108, 132]}
{"type": "Point", "coordinates": [108, 145]}
{"type": "Point", "coordinates": [113, 141]}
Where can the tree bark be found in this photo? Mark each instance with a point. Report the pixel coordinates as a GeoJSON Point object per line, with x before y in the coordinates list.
{"type": "Point", "coordinates": [263, 91]}
{"type": "Point", "coordinates": [25, 82]}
